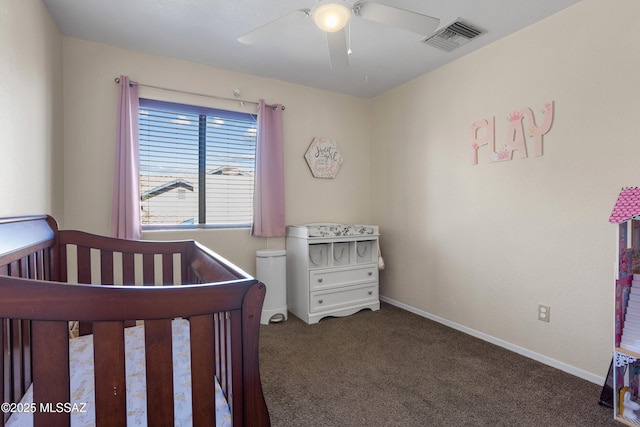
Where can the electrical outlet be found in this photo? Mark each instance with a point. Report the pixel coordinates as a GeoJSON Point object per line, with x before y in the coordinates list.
{"type": "Point", "coordinates": [544, 312]}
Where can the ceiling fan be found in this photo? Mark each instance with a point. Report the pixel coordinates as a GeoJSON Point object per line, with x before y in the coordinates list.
{"type": "Point", "coordinates": [333, 17]}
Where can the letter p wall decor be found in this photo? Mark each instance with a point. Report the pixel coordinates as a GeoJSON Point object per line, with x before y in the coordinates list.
{"type": "Point", "coordinates": [519, 123]}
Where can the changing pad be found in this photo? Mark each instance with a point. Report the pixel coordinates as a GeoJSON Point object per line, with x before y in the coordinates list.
{"type": "Point", "coordinates": [340, 230]}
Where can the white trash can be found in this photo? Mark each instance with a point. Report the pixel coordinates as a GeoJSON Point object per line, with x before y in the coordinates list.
{"type": "Point", "coordinates": [271, 269]}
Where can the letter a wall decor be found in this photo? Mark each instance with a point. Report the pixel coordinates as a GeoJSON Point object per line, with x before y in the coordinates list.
{"type": "Point", "coordinates": [518, 123]}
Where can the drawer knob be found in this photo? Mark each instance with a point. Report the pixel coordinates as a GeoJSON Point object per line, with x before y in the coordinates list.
{"type": "Point", "coordinates": [370, 292]}
{"type": "Point", "coordinates": [319, 301]}
{"type": "Point", "coordinates": [320, 280]}
{"type": "Point", "coordinates": [370, 273]}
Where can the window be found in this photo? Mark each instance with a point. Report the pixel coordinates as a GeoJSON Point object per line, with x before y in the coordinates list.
{"type": "Point", "coordinates": [196, 165]}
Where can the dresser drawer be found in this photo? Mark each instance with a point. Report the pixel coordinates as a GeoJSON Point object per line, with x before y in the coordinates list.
{"type": "Point", "coordinates": [325, 279]}
{"type": "Point", "coordinates": [343, 297]}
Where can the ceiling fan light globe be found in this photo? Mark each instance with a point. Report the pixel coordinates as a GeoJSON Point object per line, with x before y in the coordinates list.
{"type": "Point", "coordinates": [331, 17]}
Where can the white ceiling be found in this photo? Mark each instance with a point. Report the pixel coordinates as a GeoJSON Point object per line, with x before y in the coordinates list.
{"type": "Point", "coordinates": [206, 32]}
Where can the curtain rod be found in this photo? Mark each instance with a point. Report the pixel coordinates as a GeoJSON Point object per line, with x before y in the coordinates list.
{"type": "Point", "coordinates": [117, 80]}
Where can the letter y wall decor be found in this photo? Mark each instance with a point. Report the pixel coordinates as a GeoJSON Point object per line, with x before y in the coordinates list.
{"type": "Point", "coordinates": [518, 122]}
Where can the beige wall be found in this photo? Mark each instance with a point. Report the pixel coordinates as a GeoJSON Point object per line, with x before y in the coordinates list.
{"type": "Point", "coordinates": [30, 110]}
{"type": "Point", "coordinates": [90, 108]}
{"type": "Point", "coordinates": [479, 247]}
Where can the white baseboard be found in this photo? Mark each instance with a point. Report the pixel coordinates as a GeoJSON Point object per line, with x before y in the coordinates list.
{"type": "Point", "coordinates": [501, 343]}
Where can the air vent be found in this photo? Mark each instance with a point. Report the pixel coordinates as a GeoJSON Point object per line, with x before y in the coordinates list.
{"type": "Point", "coordinates": [453, 36]}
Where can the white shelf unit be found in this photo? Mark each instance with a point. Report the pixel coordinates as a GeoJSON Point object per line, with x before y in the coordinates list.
{"type": "Point", "coordinates": [331, 275]}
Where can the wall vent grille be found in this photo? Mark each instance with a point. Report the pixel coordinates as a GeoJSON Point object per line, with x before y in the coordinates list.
{"type": "Point", "coordinates": [453, 36]}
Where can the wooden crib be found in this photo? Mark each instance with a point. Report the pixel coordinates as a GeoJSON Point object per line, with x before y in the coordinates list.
{"type": "Point", "coordinates": [51, 279]}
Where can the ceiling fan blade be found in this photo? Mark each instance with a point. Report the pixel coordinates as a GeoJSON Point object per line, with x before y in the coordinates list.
{"type": "Point", "coordinates": [337, 42]}
{"type": "Point", "coordinates": [394, 17]}
{"type": "Point", "coordinates": [268, 28]}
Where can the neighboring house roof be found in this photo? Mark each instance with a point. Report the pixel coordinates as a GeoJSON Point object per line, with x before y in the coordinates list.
{"type": "Point", "coordinates": [176, 183]}
{"type": "Point", "coordinates": [627, 206]}
{"type": "Point", "coordinates": [229, 170]}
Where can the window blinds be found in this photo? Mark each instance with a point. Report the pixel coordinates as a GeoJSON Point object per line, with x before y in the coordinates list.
{"type": "Point", "coordinates": [196, 165]}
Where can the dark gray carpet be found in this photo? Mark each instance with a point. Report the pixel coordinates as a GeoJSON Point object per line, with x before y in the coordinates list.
{"type": "Point", "coordinates": [394, 368]}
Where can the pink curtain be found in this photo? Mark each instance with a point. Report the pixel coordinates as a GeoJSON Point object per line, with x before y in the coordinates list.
{"type": "Point", "coordinates": [268, 205]}
{"type": "Point", "coordinates": [125, 214]}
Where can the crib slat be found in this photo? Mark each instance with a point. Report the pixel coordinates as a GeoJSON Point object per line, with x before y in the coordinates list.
{"type": "Point", "coordinates": [31, 266]}
{"type": "Point", "coordinates": [12, 268]}
{"type": "Point", "coordinates": [84, 264]}
{"type": "Point", "coordinates": [50, 370]}
{"type": "Point", "coordinates": [40, 265]}
{"type": "Point", "coordinates": [110, 383]}
{"type": "Point", "coordinates": [159, 370]}
{"type": "Point", "coordinates": [63, 273]}
{"type": "Point", "coordinates": [202, 370]}
{"type": "Point", "coordinates": [26, 353]}
{"type": "Point", "coordinates": [53, 270]}
{"type": "Point", "coordinates": [17, 354]}
{"type": "Point", "coordinates": [128, 269]}
{"type": "Point", "coordinates": [6, 366]}
{"type": "Point", "coordinates": [148, 269]}
{"type": "Point", "coordinates": [167, 269]}
{"type": "Point", "coordinates": [234, 359]}
{"type": "Point", "coordinates": [219, 349]}
{"type": "Point", "coordinates": [106, 267]}
{"type": "Point", "coordinates": [24, 267]}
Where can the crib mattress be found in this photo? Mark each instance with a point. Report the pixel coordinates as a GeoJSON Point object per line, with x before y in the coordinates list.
{"type": "Point", "coordinates": [82, 382]}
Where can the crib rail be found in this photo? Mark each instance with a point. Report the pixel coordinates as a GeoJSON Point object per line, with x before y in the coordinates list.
{"type": "Point", "coordinates": [91, 259]}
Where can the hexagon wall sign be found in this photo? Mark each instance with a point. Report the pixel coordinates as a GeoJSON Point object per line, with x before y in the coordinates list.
{"type": "Point", "coordinates": [324, 158]}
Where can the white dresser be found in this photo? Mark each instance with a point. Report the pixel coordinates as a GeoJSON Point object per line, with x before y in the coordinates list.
{"type": "Point", "coordinates": [332, 270]}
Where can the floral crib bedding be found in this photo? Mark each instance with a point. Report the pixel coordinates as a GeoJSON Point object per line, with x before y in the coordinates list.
{"type": "Point", "coordinates": [82, 382]}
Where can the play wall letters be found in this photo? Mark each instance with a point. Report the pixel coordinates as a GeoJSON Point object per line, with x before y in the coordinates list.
{"type": "Point", "coordinates": [483, 133]}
